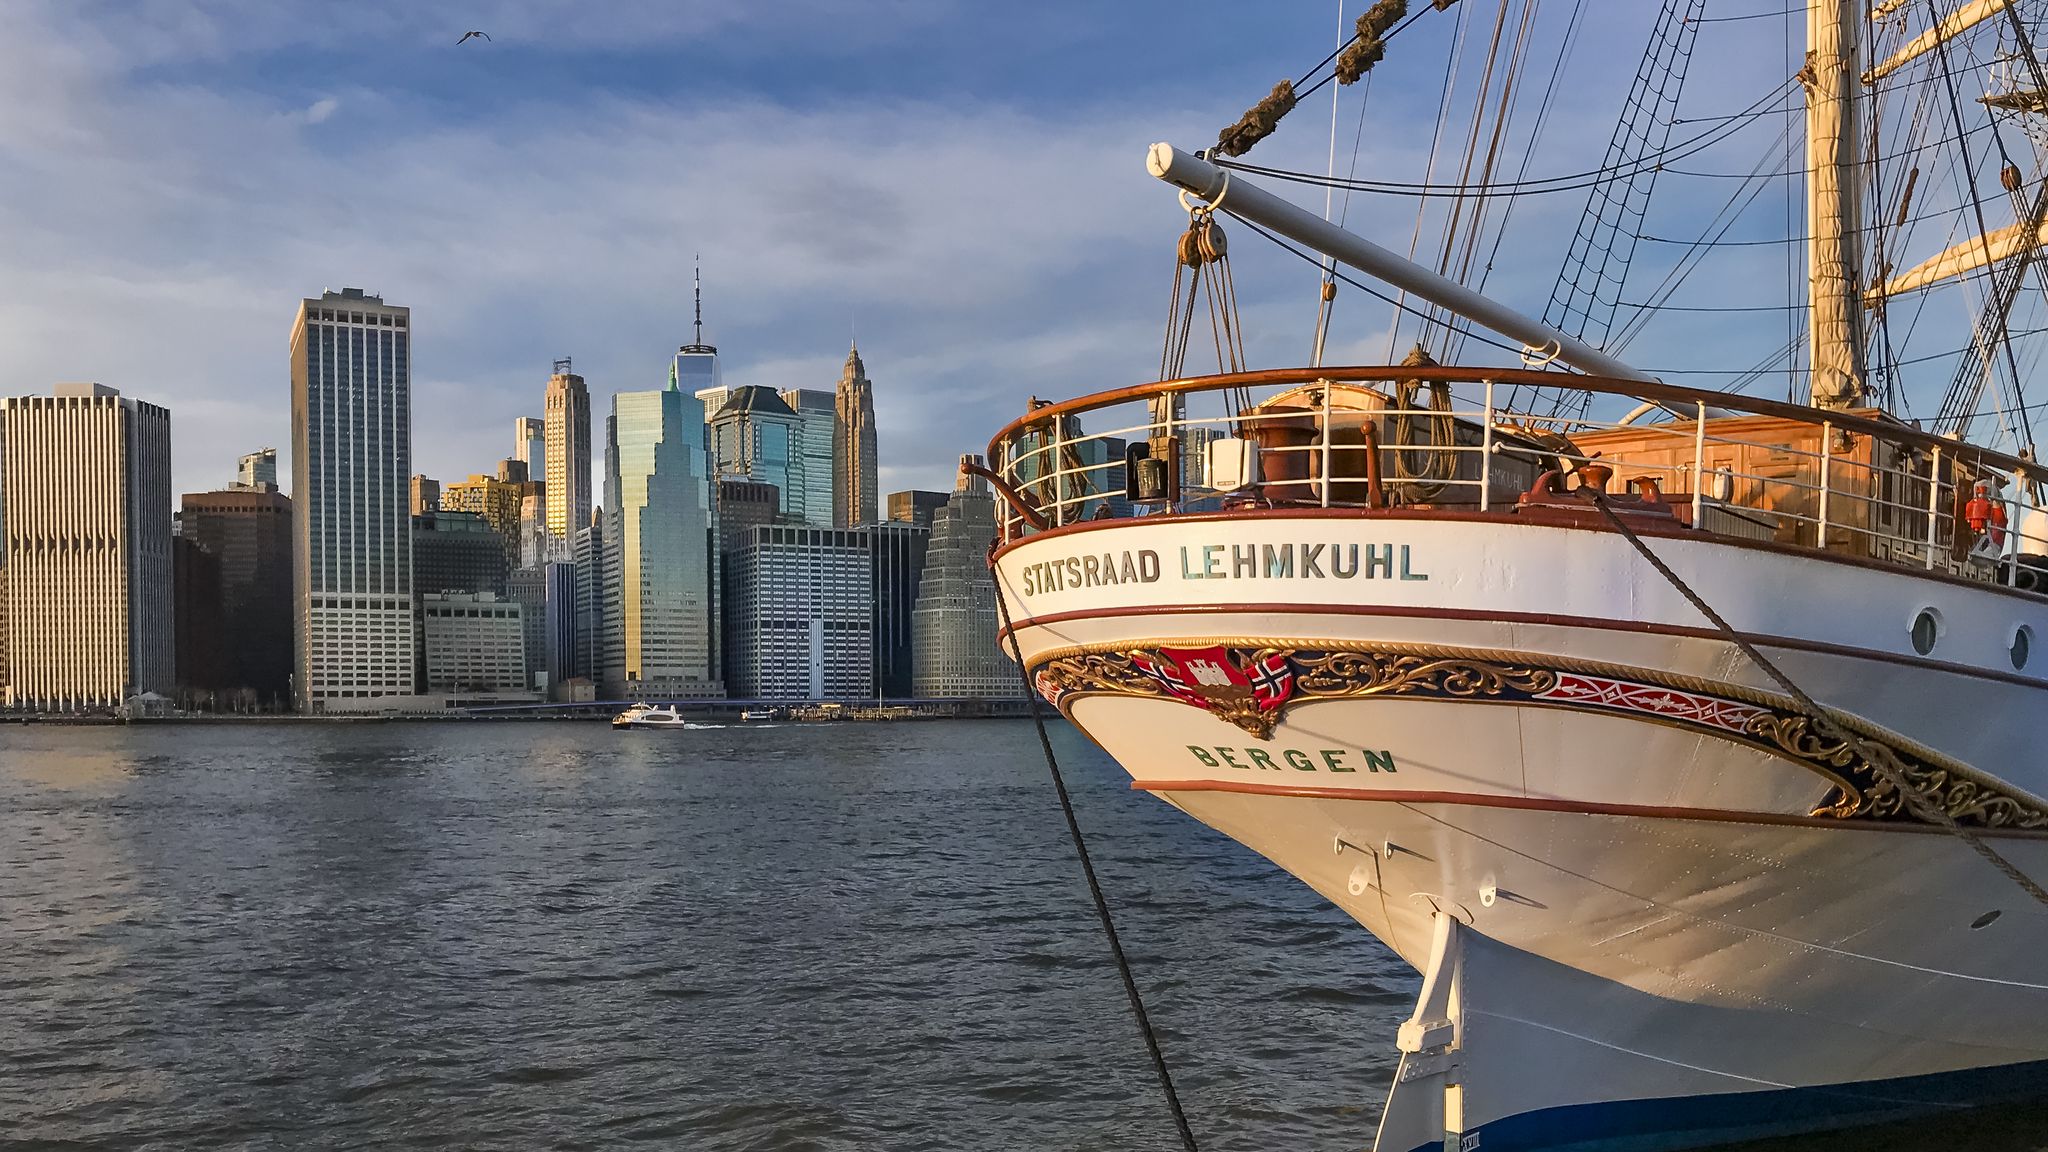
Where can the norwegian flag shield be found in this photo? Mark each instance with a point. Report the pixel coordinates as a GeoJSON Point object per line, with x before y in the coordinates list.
{"type": "Point", "coordinates": [1272, 681]}
{"type": "Point", "coordinates": [1165, 672]}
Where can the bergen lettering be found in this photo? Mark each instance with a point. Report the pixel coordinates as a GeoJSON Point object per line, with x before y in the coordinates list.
{"type": "Point", "coordinates": [1281, 759]}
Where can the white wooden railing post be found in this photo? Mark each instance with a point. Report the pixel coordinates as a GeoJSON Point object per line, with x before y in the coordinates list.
{"type": "Point", "coordinates": [1933, 501]}
{"type": "Point", "coordinates": [1827, 478]}
{"type": "Point", "coordinates": [1056, 470]}
{"type": "Point", "coordinates": [1699, 466]}
{"type": "Point", "coordinates": [1486, 453]}
{"type": "Point", "coordinates": [1326, 438]}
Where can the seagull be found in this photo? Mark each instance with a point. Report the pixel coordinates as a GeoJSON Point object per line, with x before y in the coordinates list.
{"type": "Point", "coordinates": [466, 36]}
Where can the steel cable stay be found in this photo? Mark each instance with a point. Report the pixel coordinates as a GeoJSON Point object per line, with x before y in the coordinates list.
{"type": "Point", "coordinates": [1570, 182]}
{"type": "Point", "coordinates": [1116, 947]}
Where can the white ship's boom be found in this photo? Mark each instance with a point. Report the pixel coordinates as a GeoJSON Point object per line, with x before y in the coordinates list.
{"type": "Point", "coordinates": [1245, 199]}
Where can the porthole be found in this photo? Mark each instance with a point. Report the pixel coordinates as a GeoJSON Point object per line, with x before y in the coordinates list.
{"type": "Point", "coordinates": [2022, 646]}
{"type": "Point", "coordinates": [1926, 630]}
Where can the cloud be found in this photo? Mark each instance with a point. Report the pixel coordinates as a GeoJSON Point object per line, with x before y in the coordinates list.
{"type": "Point", "coordinates": [163, 208]}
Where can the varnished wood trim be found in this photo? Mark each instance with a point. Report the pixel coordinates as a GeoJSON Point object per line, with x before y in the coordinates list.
{"type": "Point", "coordinates": [1638, 389]}
{"type": "Point", "coordinates": [1569, 523]}
{"type": "Point", "coordinates": [1577, 807]}
{"type": "Point", "coordinates": [1760, 639]}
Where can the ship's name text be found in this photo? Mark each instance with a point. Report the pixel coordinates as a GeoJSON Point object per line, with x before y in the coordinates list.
{"type": "Point", "coordinates": [1227, 562]}
{"type": "Point", "coordinates": [1281, 759]}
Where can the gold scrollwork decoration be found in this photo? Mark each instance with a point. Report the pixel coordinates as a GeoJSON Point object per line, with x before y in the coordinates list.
{"type": "Point", "coordinates": [1858, 788]}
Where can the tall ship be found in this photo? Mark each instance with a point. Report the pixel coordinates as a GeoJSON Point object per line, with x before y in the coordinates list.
{"type": "Point", "coordinates": [1684, 739]}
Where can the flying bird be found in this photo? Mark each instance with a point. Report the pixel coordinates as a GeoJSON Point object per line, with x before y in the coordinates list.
{"type": "Point", "coordinates": [466, 36]}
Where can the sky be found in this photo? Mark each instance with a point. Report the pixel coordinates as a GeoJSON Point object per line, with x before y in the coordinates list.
{"type": "Point", "coordinates": [958, 185]}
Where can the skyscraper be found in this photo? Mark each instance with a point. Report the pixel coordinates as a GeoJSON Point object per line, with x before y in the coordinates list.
{"type": "Point", "coordinates": [528, 587]}
{"type": "Point", "coordinates": [802, 615]}
{"type": "Point", "coordinates": [916, 506]}
{"type": "Point", "coordinates": [754, 436]}
{"type": "Point", "coordinates": [250, 531]}
{"type": "Point", "coordinates": [854, 483]}
{"type": "Point", "coordinates": [695, 370]}
{"type": "Point", "coordinates": [352, 529]}
{"type": "Point", "coordinates": [953, 627]}
{"type": "Point", "coordinates": [661, 605]}
{"type": "Point", "coordinates": [896, 555]}
{"type": "Point", "coordinates": [530, 441]}
{"type": "Point", "coordinates": [257, 469]}
{"type": "Point", "coordinates": [587, 660]}
{"type": "Point", "coordinates": [200, 655]}
{"type": "Point", "coordinates": [497, 501]}
{"type": "Point", "coordinates": [568, 459]}
{"type": "Point", "coordinates": [86, 506]}
{"type": "Point", "coordinates": [810, 456]}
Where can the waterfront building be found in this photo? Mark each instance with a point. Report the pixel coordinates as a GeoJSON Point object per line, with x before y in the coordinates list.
{"type": "Point", "coordinates": [743, 505]}
{"type": "Point", "coordinates": [457, 552]}
{"type": "Point", "coordinates": [249, 531]}
{"type": "Point", "coordinates": [86, 507]}
{"type": "Point", "coordinates": [257, 469]}
{"type": "Point", "coordinates": [896, 559]}
{"type": "Point", "coordinates": [916, 506]}
{"type": "Point", "coordinates": [661, 600]}
{"type": "Point", "coordinates": [854, 466]}
{"type": "Point", "coordinates": [811, 456]}
{"type": "Point", "coordinates": [196, 600]}
{"type": "Point", "coordinates": [474, 642]}
{"type": "Point", "coordinates": [587, 658]}
{"type": "Point", "coordinates": [528, 587]}
{"type": "Point", "coordinates": [953, 628]}
{"type": "Point", "coordinates": [802, 615]}
{"type": "Point", "coordinates": [559, 618]}
{"type": "Point", "coordinates": [497, 501]}
{"type": "Point", "coordinates": [568, 474]}
{"type": "Point", "coordinates": [425, 495]}
{"type": "Point", "coordinates": [352, 530]}
{"type": "Point", "coordinates": [530, 443]}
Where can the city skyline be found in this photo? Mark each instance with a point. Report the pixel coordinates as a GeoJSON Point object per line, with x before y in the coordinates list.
{"type": "Point", "coordinates": [831, 188]}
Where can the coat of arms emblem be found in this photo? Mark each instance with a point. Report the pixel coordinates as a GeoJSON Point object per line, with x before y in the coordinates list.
{"type": "Point", "coordinates": [1250, 695]}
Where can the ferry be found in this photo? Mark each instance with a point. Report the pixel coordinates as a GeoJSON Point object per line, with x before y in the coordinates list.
{"type": "Point", "coordinates": [650, 716]}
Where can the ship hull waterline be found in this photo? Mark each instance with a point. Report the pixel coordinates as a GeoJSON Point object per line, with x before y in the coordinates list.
{"type": "Point", "coordinates": [1666, 890]}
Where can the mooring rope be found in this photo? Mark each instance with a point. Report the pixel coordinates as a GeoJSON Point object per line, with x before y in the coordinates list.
{"type": "Point", "coordinates": [1922, 805]}
{"type": "Point", "coordinates": [1116, 948]}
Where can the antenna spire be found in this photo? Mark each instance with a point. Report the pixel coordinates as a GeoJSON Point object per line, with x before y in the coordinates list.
{"type": "Point", "coordinates": [698, 292]}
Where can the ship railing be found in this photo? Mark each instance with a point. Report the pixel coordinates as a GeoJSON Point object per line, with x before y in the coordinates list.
{"type": "Point", "coordinates": [1852, 483]}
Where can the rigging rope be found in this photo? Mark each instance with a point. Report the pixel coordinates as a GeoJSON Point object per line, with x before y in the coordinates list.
{"type": "Point", "coordinates": [1116, 947]}
{"type": "Point", "coordinates": [1355, 57]}
{"type": "Point", "coordinates": [1880, 759]}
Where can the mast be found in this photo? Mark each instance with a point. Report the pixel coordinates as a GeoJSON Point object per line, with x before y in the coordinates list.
{"type": "Point", "coordinates": [1834, 326]}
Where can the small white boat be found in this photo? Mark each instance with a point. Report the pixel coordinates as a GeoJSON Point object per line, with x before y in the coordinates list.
{"type": "Point", "coordinates": [650, 716]}
{"type": "Point", "coordinates": [756, 715]}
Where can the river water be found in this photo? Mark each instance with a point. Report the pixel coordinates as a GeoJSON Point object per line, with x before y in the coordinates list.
{"type": "Point", "coordinates": [553, 935]}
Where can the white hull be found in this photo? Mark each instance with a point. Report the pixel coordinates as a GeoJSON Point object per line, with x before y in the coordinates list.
{"type": "Point", "coordinates": [1667, 891]}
